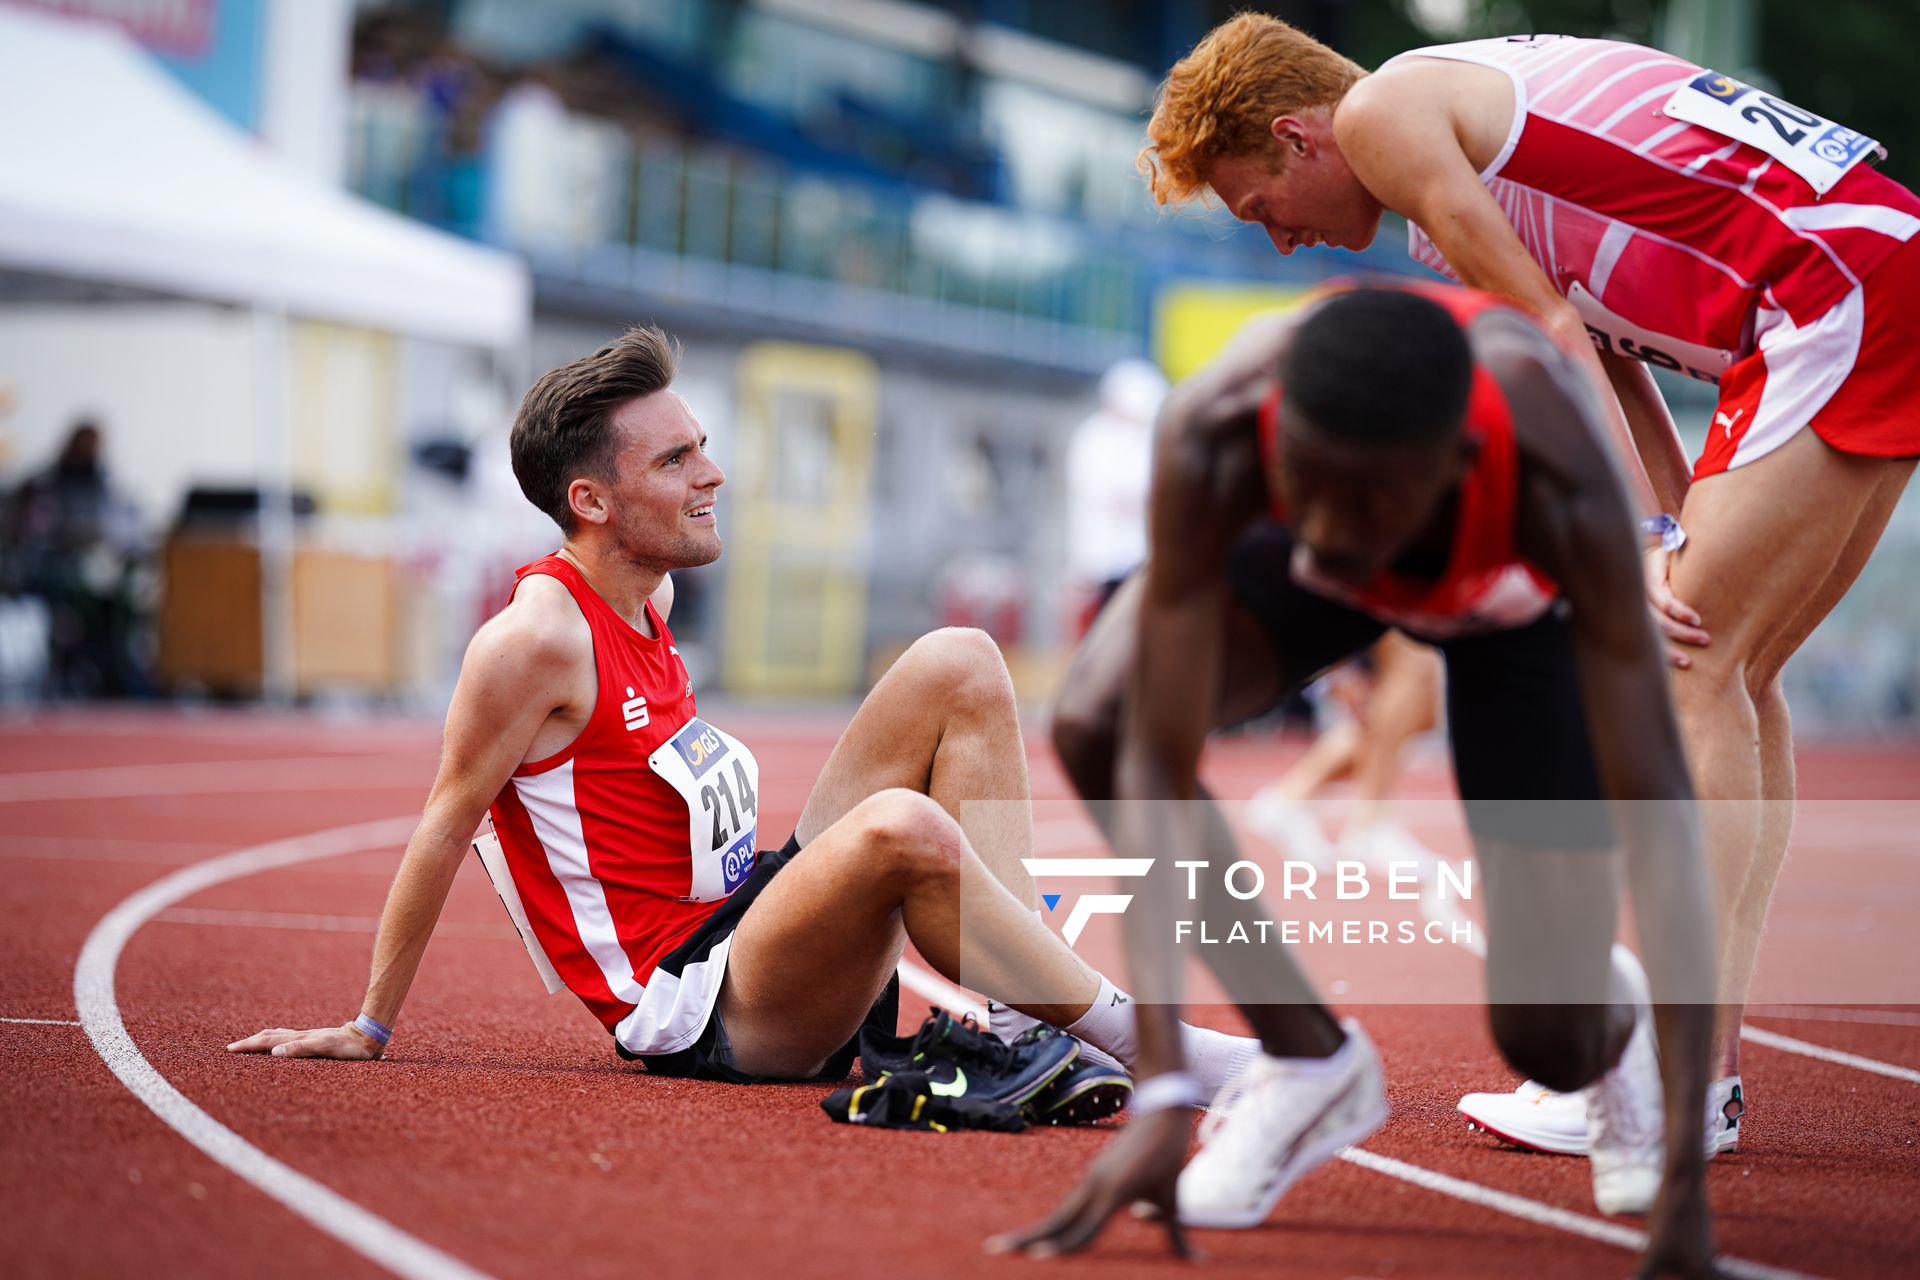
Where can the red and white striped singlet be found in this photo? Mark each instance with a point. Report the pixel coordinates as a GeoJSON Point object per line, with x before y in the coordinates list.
{"type": "Point", "coordinates": [624, 842]}
{"type": "Point", "coordinates": [1678, 243]}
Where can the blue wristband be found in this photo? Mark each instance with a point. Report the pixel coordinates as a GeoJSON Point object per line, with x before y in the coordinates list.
{"type": "Point", "coordinates": [369, 1026]}
{"type": "Point", "coordinates": [1667, 529]}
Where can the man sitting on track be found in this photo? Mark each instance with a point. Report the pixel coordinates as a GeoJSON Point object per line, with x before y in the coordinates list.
{"type": "Point", "coordinates": [1649, 212]}
{"type": "Point", "coordinates": [628, 822]}
{"type": "Point", "coordinates": [1422, 458]}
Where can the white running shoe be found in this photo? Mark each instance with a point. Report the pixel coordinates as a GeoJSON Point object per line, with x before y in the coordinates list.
{"type": "Point", "coordinates": [1624, 1111]}
{"type": "Point", "coordinates": [1726, 1103]}
{"type": "Point", "coordinates": [1532, 1116]}
{"type": "Point", "coordinates": [1536, 1118]}
{"type": "Point", "coordinates": [1280, 1119]}
{"type": "Point", "coordinates": [1289, 825]}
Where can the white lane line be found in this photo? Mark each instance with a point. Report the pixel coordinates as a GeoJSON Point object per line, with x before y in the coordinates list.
{"type": "Point", "coordinates": [931, 985]}
{"type": "Point", "coordinates": [1788, 1044]}
{"type": "Point", "coordinates": [1836, 1013]}
{"type": "Point", "coordinates": [43, 1022]}
{"type": "Point", "coordinates": [367, 1234]}
{"type": "Point", "coordinates": [214, 777]}
{"type": "Point", "coordinates": [1445, 911]}
{"type": "Point", "coordinates": [1546, 1215]}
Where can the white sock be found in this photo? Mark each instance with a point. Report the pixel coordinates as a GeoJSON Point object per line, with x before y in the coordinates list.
{"type": "Point", "coordinates": [1214, 1057]}
{"type": "Point", "coordinates": [1008, 1023]}
{"type": "Point", "coordinates": [1110, 1030]}
{"type": "Point", "coordinates": [1108, 1025]}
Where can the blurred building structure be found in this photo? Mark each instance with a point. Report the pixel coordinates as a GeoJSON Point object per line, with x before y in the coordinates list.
{"type": "Point", "coordinates": [937, 202]}
{"type": "Point", "coordinates": [244, 327]}
{"type": "Point", "coordinates": [902, 240]}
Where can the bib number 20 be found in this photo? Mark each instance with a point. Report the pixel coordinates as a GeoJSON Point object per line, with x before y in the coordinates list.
{"type": "Point", "coordinates": [1811, 145]}
{"type": "Point", "coordinates": [1785, 119]}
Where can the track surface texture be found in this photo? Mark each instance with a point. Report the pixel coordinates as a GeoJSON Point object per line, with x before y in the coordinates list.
{"type": "Point", "coordinates": [502, 1137]}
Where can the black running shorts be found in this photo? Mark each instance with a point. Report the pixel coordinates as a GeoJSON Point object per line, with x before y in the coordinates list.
{"type": "Point", "coordinates": [710, 1056]}
{"type": "Point", "coordinates": [1522, 753]}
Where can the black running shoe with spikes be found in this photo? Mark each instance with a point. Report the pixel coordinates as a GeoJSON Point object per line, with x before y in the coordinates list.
{"type": "Point", "coordinates": [962, 1059]}
{"type": "Point", "coordinates": [1084, 1093]}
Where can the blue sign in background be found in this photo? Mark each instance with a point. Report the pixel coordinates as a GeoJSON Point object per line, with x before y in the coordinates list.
{"type": "Point", "coordinates": [227, 73]}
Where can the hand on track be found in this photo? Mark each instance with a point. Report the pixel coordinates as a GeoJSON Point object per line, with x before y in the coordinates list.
{"type": "Point", "coordinates": [321, 1042]}
{"type": "Point", "coordinates": [1679, 1238]}
{"type": "Point", "coordinates": [1676, 619]}
{"type": "Point", "coordinates": [1141, 1163]}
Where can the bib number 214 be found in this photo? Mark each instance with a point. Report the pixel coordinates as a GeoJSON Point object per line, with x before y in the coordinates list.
{"type": "Point", "coordinates": [720, 781]}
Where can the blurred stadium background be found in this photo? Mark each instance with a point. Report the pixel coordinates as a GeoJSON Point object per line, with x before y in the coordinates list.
{"type": "Point", "coordinates": [274, 273]}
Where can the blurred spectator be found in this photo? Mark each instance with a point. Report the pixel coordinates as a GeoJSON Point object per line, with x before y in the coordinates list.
{"type": "Point", "coordinates": [77, 546]}
{"type": "Point", "coordinates": [1108, 465]}
{"type": "Point", "coordinates": [530, 198]}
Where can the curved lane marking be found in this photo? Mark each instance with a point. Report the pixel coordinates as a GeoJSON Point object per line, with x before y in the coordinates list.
{"type": "Point", "coordinates": [383, 1243]}
{"type": "Point", "coordinates": [367, 1234]}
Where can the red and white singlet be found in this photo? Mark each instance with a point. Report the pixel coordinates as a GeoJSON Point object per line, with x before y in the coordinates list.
{"type": "Point", "coordinates": [623, 843]}
{"type": "Point", "coordinates": [1486, 585]}
{"type": "Point", "coordinates": [1694, 221]}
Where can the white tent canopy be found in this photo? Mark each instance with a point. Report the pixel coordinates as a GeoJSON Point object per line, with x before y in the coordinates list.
{"type": "Point", "coordinates": [111, 171]}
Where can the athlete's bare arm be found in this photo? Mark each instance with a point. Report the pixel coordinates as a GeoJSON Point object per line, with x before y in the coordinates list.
{"type": "Point", "coordinates": [526, 689]}
{"type": "Point", "coordinates": [1410, 133]}
{"type": "Point", "coordinates": [1574, 523]}
{"type": "Point", "coordinates": [1207, 485]}
{"type": "Point", "coordinates": [1655, 437]}
{"type": "Point", "coordinates": [1660, 450]}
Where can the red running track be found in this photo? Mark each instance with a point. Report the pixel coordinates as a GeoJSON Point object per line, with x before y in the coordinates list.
{"type": "Point", "coordinates": [504, 1133]}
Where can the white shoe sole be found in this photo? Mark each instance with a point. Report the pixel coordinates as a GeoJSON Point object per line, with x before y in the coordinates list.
{"type": "Point", "coordinates": [1313, 1153]}
{"type": "Point", "coordinates": [1528, 1139]}
{"type": "Point", "coordinates": [1718, 1142]}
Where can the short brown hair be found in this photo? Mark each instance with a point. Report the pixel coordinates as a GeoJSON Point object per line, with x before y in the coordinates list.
{"type": "Point", "coordinates": [562, 429]}
{"type": "Point", "coordinates": [1221, 99]}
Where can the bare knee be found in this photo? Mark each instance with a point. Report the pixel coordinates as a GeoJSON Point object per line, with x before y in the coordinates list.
{"type": "Point", "coordinates": [1564, 1047]}
{"type": "Point", "coordinates": [1718, 678]}
{"type": "Point", "coordinates": [906, 834]}
{"type": "Point", "coordinates": [962, 667]}
{"type": "Point", "coordinates": [1763, 686]}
